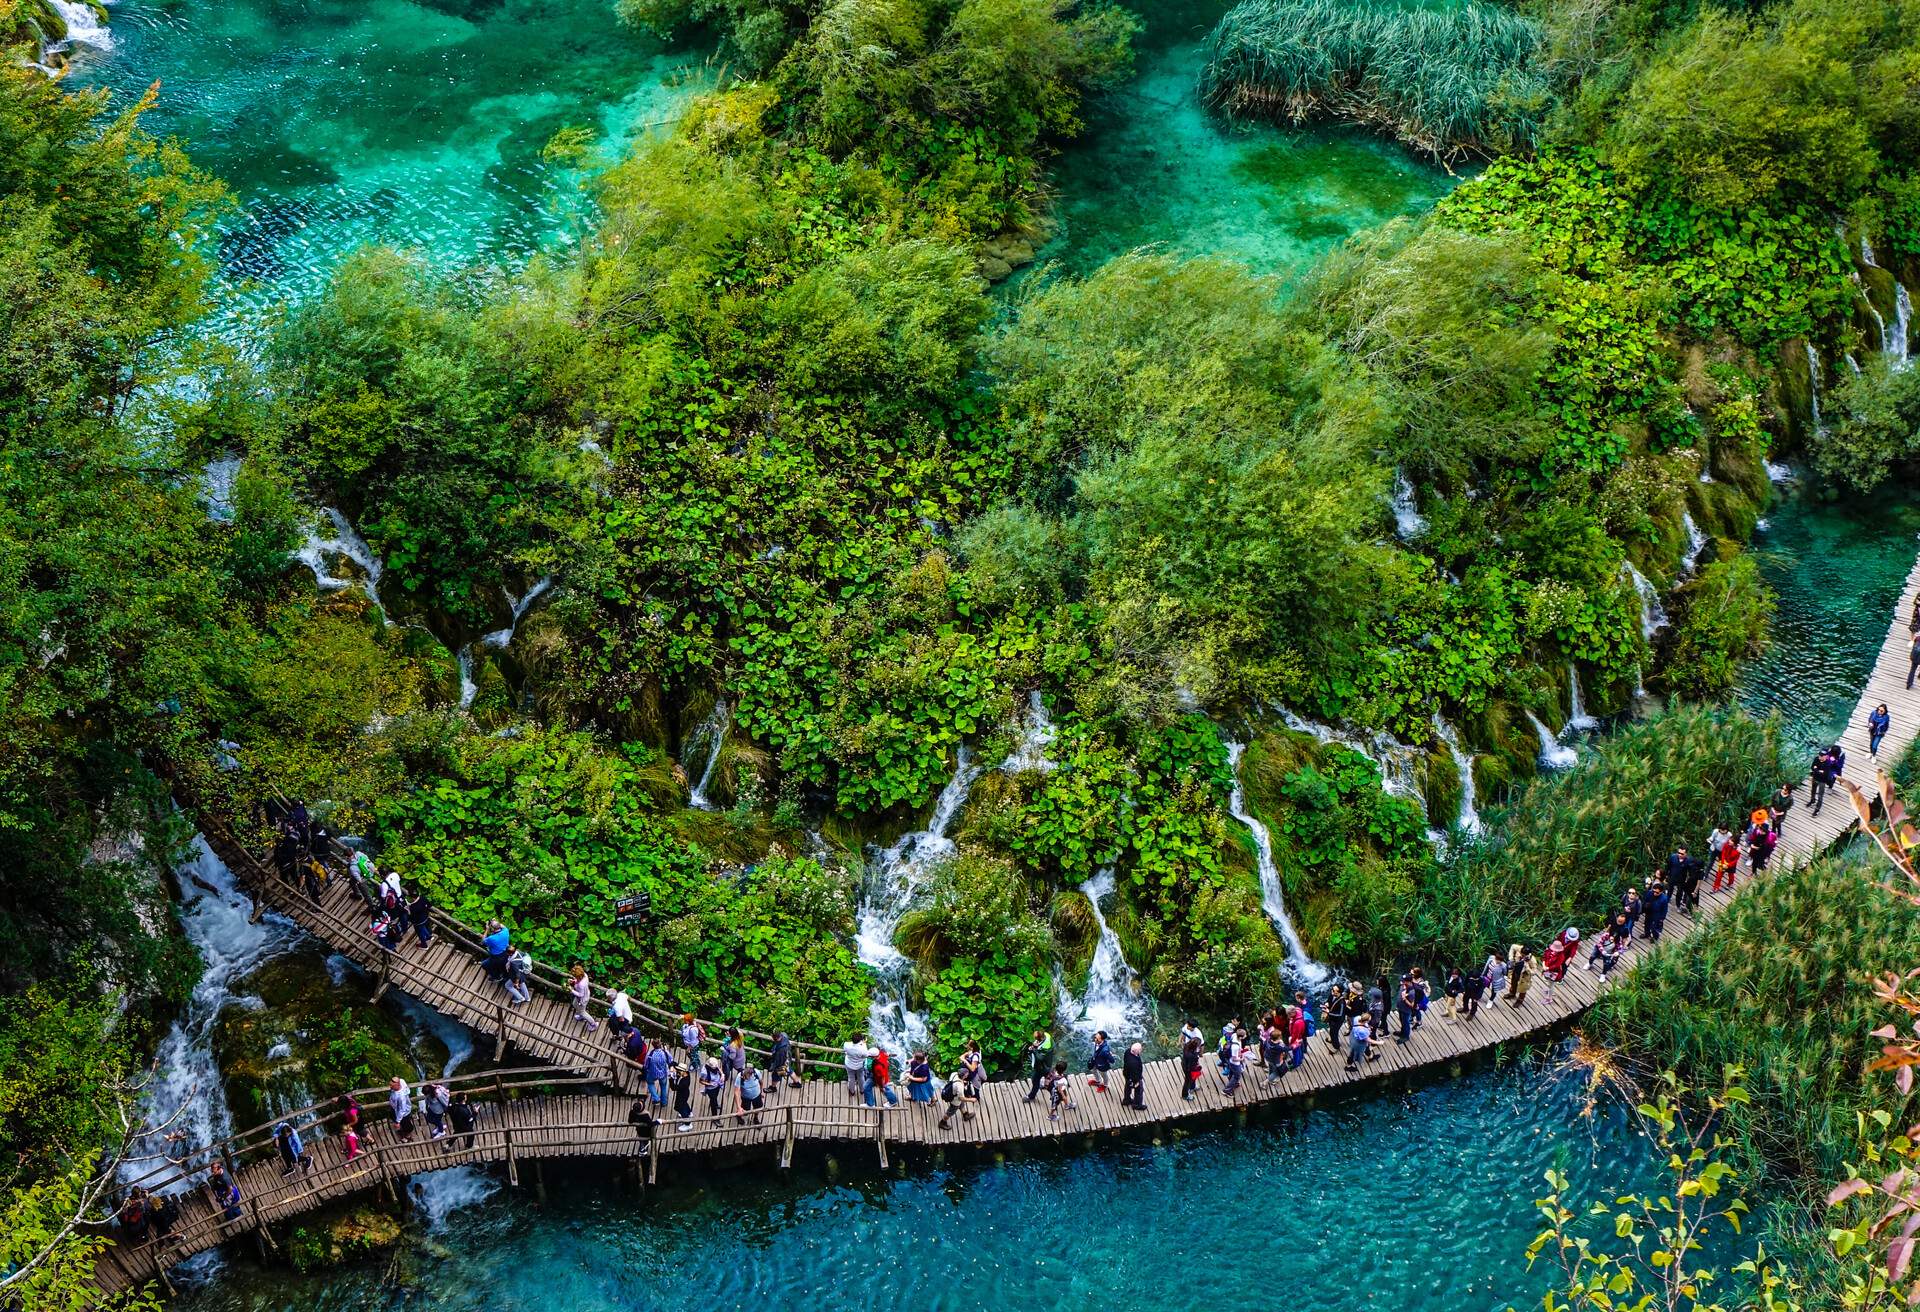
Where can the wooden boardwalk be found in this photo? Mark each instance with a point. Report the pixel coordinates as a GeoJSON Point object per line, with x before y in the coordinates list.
{"type": "Point", "coordinates": [527, 1117]}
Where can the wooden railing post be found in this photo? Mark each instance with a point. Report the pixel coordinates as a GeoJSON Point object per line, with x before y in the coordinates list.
{"type": "Point", "coordinates": [500, 1034]}
{"type": "Point", "coordinates": [513, 1163]}
{"type": "Point", "coordinates": [386, 1176]}
{"type": "Point", "coordinates": [786, 1147]}
{"type": "Point", "coordinates": [386, 969]}
{"type": "Point", "coordinates": [880, 1135]}
{"type": "Point", "coordinates": [653, 1152]}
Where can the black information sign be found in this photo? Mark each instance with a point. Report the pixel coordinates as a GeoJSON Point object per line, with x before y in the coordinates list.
{"type": "Point", "coordinates": [632, 909]}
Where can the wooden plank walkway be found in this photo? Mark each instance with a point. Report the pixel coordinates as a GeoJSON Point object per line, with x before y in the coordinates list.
{"type": "Point", "coordinates": [525, 1120]}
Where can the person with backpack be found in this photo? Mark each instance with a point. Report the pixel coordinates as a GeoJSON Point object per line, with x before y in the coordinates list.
{"type": "Point", "coordinates": [293, 1153]}
{"type": "Point", "coordinates": [1100, 1064]}
{"type": "Point", "coordinates": [1299, 1026]}
{"type": "Point", "coordinates": [1133, 1076]}
{"type": "Point", "coordinates": [1360, 1043]}
{"type": "Point", "coordinates": [1040, 1058]}
{"type": "Point", "coordinates": [620, 1017]}
{"type": "Point", "coordinates": [461, 1115]}
{"type": "Point", "coordinates": [227, 1198]}
{"type": "Point", "coordinates": [420, 912]}
{"type": "Point", "coordinates": [958, 1096]}
{"type": "Point", "coordinates": [1234, 1060]}
{"type": "Point", "coordinates": [392, 900]}
{"type": "Point", "coordinates": [386, 930]}
{"type": "Point", "coordinates": [1189, 1068]}
{"type": "Point", "coordinates": [780, 1068]}
{"type": "Point", "coordinates": [1059, 1087]}
{"type": "Point", "coordinates": [974, 1066]}
{"type": "Point", "coordinates": [518, 980]}
{"type": "Point", "coordinates": [751, 1099]}
{"type": "Point", "coordinates": [133, 1215]}
{"type": "Point", "coordinates": [880, 1077]}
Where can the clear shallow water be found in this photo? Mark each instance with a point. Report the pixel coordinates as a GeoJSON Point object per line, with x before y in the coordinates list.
{"type": "Point", "coordinates": [416, 124]}
{"type": "Point", "coordinates": [1838, 571]}
{"type": "Point", "coordinates": [1402, 1203]}
{"type": "Point", "coordinates": [1153, 167]}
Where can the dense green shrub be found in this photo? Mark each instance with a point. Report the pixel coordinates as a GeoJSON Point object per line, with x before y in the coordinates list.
{"type": "Point", "coordinates": [1725, 615]}
{"type": "Point", "coordinates": [1872, 432]}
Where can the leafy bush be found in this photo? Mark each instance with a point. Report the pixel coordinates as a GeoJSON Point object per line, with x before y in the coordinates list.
{"type": "Point", "coordinates": [1724, 618]}
{"type": "Point", "coordinates": [1873, 428]}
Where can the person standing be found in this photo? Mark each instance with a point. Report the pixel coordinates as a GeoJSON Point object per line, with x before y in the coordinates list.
{"type": "Point", "coordinates": [1059, 1091]}
{"type": "Point", "coordinates": [1495, 973]}
{"type": "Point", "coordinates": [780, 1069]}
{"type": "Point", "coordinates": [1100, 1064]}
{"type": "Point", "coordinates": [1727, 863]}
{"type": "Point", "coordinates": [460, 1113]}
{"type": "Point", "coordinates": [1519, 973]}
{"type": "Point", "coordinates": [1471, 987]}
{"type": "Point", "coordinates": [349, 1143]}
{"type": "Point", "coordinates": [1777, 808]}
{"type": "Point", "coordinates": [400, 1103]}
{"type": "Point", "coordinates": [1189, 1068]}
{"type": "Point", "coordinates": [1658, 901]}
{"type": "Point", "coordinates": [1133, 1074]}
{"type": "Point", "coordinates": [581, 991]}
{"type": "Point", "coordinates": [1687, 885]}
{"type": "Point", "coordinates": [752, 1099]}
{"type": "Point", "coordinates": [1040, 1058]}
{"type": "Point", "coordinates": [434, 1102]}
{"type": "Point", "coordinates": [920, 1079]}
{"type": "Point", "coordinates": [1760, 851]}
{"type": "Point", "coordinates": [1455, 986]}
{"type": "Point", "coordinates": [1877, 725]}
{"type": "Point", "coordinates": [620, 1016]}
{"type": "Point", "coordinates": [693, 1034]}
{"type": "Point", "coordinates": [518, 981]}
{"type": "Point", "coordinates": [1632, 905]}
{"type": "Point", "coordinates": [854, 1055]}
{"type": "Point", "coordinates": [973, 1065]}
{"type": "Point", "coordinates": [1403, 1008]}
{"type": "Point", "coordinates": [420, 912]}
{"type": "Point", "coordinates": [1336, 1015]}
{"type": "Point", "coordinates": [682, 1083]}
{"type": "Point", "coordinates": [1235, 1061]}
{"type": "Point", "coordinates": [659, 1067]}
{"type": "Point", "coordinates": [1913, 657]}
{"type": "Point", "coordinates": [1360, 1042]}
{"type": "Point", "coordinates": [713, 1083]}
{"type": "Point", "coordinates": [293, 1154]}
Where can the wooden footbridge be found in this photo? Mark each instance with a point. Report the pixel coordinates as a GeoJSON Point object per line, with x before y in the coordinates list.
{"type": "Point", "coordinates": [574, 1095]}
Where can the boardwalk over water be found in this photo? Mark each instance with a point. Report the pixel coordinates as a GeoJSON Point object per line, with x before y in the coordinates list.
{"type": "Point", "coordinates": [575, 1101]}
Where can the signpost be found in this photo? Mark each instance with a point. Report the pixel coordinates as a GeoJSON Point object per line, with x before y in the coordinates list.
{"type": "Point", "coordinates": [631, 909]}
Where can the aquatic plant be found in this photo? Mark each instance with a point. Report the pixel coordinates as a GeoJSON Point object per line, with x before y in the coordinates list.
{"type": "Point", "coordinates": [1449, 82]}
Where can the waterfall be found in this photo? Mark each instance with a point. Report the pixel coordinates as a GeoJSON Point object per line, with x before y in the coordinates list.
{"type": "Point", "coordinates": [1037, 733]}
{"type": "Point", "coordinates": [345, 542]}
{"type": "Point", "coordinates": [1554, 754]}
{"type": "Point", "coordinates": [885, 897]}
{"type": "Point", "coordinates": [1696, 541]}
{"type": "Point", "coordinates": [1813, 387]}
{"type": "Point", "coordinates": [1408, 522]}
{"type": "Point", "coordinates": [1272, 899]}
{"type": "Point", "coordinates": [1893, 337]}
{"type": "Point", "coordinates": [1777, 473]}
{"type": "Point", "coordinates": [1469, 813]}
{"type": "Point", "coordinates": [1853, 365]}
{"type": "Point", "coordinates": [83, 26]}
{"type": "Point", "coordinates": [186, 1092]}
{"type": "Point", "coordinates": [216, 488]}
{"type": "Point", "coordinates": [498, 639]}
{"type": "Point", "coordinates": [713, 731]}
{"type": "Point", "coordinates": [438, 1193]}
{"type": "Point", "coordinates": [1653, 616]}
{"type": "Point", "coordinates": [1112, 1000]}
{"type": "Point", "coordinates": [1577, 717]}
{"type": "Point", "coordinates": [1395, 760]}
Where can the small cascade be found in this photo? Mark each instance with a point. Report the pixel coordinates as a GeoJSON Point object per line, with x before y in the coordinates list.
{"type": "Point", "coordinates": [437, 1194]}
{"type": "Point", "coordinates": [1272, 898]}
{"type": "Point", "coordinates": [1037, 733]}
{"type": "Point", "coordinates": [1653, 615]}
{"type": "Point", "coordinates": [1469, 820]}
{"type": "Point", "coordinates": [345, 542]}
{"type": "Point", "coordinates": [1112, 1000]}
{"type": "Point", "coordinates": [1554, 754]}
{"type": "Point", "coordinates": [1696, 542]}
{"type": "Point", "coordinates": [888, 893]}
{"type": "Point", "coordinates": [496, 640]}
{"type": "Point", "coordinates": [84, 27]}
{"type": "Point", "coordinates": [1813, 387]}
{"type": "Point", "coordinates": [1853, 365]}
{"type": "Point", "coordinates": [1408, 522]}
{"type": "Point", "coordinates": [1778, 473]}
{"type": "Point", "coordinates": [1396, 761]}
{"type": "Point", "coordinates": [1893, 336]}
{"type": "Point", "coordinates": [186, 1092]}
{"type": "Point", "coordinates": [216, 488]}
{"type": "Point", "coordinates": [713, 732]}
{"type": "Point", "coordinates": [1577, 717]}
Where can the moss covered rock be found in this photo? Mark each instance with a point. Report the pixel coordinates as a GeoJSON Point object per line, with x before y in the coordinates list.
{"type": "Point", "coordinates": [336, 1239]}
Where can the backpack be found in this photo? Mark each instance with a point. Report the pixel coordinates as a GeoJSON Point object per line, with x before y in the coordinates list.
{"type": "Point", "coordinates": [390, 900]}
{"type": "Point", "coordinates": [950, 1093]}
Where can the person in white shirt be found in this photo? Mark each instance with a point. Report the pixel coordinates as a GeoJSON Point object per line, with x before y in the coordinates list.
{"type": "Point", "coordinates": [858, 1054]}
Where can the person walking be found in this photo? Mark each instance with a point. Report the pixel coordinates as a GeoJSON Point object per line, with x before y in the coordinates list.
{"type": "Point", "coordinates": [581, 991]}
{"type": "Point", "coordinates": [1059, 1087]}
{"type": "Point", "coordinates": [1687, 883]}
{"type": "Point", "coordinates": [1234, 1062]}
{"type": "Point", "coordinates": [1471, 987]}
{"type": "Point", "coordinates": [349, 1143]}
{"type": "Point", "coordinates": [1040, 1058]}
{"type": "Point", "coordinates": [1519, 973]}
{"type": "Point", "coordinates": [641, 1118]}
{"type": "Point", "coordinates": [1360, 1042]}
{"type": "Point", "coordinates": [1298, 1024]}
{"type": "Point", "coordinates": [1133, 1074]}
{"type": "Point", "coordinates": [518, 981]}
{"type": "Point", "coordinates": [420, 912]}
{"type": "Point", "coordinates": [1495, 973]}
{"type": "Point", "coordinates": [1336, 1015]}
{"type": "Point", "coordinates": [400, 1104]}
{"type": "Point", "coordinates": [1760, 850]}
{"type": "Point", "coordinates": [293, 1154]}
{"type": "Point", "coordinates": [854, 1055]}
{"type": "Point", "coordinates": [973, 1065]}
{"type": "Point", "coordinates": [461, 1114]}
{"type": "Point", "coordinates": [1828, 768]}
{"type": "Point", "coordinates": [1631, 904]}
{"type": "Point", "coordinates": [780, 1069]}
{"type": "Point", "coordinates": [434, 1102]}
{"type": "Point", "coordinates": [682, 1084]}
{"type": "Point", "coordinates": [388, 930]}
{"type": "Point", "coordinates": [713, 1083]}
{"type": "Point", "coordinates": [1728, 862]}
{"type": "Point", "coordinates": [1404, 1005]}
{"type": "Point", "coordinates": [1100, 1063]}
{"type": "Point", "coordinates": [1189, 1068]}
{"type": "Point", "coordinates": [880, 1077]}
{"type": "Point", "coordinates": [1658, 902]}
{"type": "Point", "coordinates": [1913, 657]}
{"type": "Point", "coordinates": [733, 1056]}
{"type": "Point", "coordinates": [752, 1098]}
{"type": "Point", "coordinates": [659, 1068]}
{"type": "Point", "coordinates": [920, 1079]}
{"type": "Point", "coordinates": [620, 1017]}
{"type": "Point", "coordinates": [1778, 806]}
{"type": "Point", "coordinates": [1877, 725]}
{"type": "Point", "coordinates": [959, 1096]}
{"type": "Point", "coordinates": [1455, 986]}
{"type": "Point", "coordinates": [693, 1034]}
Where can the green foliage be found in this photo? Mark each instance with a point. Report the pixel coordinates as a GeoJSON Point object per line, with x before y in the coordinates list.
{"type": "Point", "coordinates": [1444, 79]}
{"type": "Point", "coordinates": [1560, 851]}
{"type": "Point", "coordinates": [545, 830]}
{"type": "Point", "coordinates": [1873, 428]}
{"type": "Point", "coordinates": [1725, 616]}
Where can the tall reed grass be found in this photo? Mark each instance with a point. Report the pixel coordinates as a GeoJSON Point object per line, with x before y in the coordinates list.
{"type": "Point", "coordinates": [1453, 80]}
{"type": "Point", "coordinates": [1564, 849]}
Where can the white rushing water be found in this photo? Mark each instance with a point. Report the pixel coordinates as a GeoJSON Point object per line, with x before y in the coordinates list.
{"type": "Point", "coordinates": [313, 553]}
{"type": "Point", "coordinates": [1778, 473]}
{"type": "Point", "coordinates": [1408, 522]}
{"type": "Point", "coordinates": [1813, 387]}
{"type": "Point", "coordinates": [186, 1092]}
{"type": "Point", "coordinates": [1037, 733]}
{"type": "Point", "coordinates": [438, 1194]}
{"type": "Point", "coordinates": [83, 26]}
{"type": "Point", "coordinates": [711, 731]}
{"type": "Point", "coordinates": [1653, 615]}
{"type": "Point", "coordinates": [498, 639]}
{"type": "Point", "coordinates": [1696, 541]}
{"type": "Point", "coordinates": [893, 882]}
{"type": "Point", "coordinates": [1112, 1000]}
{"type": "Point", "coordinates": [1893, 336]}
{"type": "Point", "coordinates": [1469, 820]}
{"type": "Point", "coordinates": [1577, 717]}
{"type": "Point", "coordinates": [1396, 761]}
{"type": "Point", "coordinates": [1272, 898]}
{"type": "Point", "coordinates": [1554, 754]}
